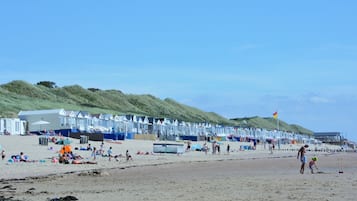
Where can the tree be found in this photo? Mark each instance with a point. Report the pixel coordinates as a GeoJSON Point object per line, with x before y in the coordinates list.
{"type": "Point", "coordinates": [93, 89]}
{"type": "Point", "coordinates": [47, 84]}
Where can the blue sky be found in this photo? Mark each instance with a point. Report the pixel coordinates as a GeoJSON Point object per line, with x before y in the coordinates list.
{"type": "Point", "coordinates": [235, 58]}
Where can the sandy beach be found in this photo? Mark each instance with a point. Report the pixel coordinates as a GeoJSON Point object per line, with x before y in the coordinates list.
{"type": "Point", "coordinates": [239, 175]}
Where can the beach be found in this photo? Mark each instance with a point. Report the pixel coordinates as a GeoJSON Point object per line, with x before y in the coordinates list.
{"type": "Point", "coordinates": [239, 175]}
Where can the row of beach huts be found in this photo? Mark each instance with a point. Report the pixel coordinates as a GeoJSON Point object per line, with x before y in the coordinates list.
{"type": "Point", "coordinates": [120, 127]}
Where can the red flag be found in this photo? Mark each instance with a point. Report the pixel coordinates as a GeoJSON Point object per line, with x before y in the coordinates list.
{"type": "Point", "coordinates": [275, 115]}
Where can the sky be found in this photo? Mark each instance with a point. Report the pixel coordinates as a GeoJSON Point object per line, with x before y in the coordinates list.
{"type": "Point", "coordinates": [234, 58]}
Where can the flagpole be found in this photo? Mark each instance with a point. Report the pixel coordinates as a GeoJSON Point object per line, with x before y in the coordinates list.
{"type": "Point", "coordinates": [275, 116]}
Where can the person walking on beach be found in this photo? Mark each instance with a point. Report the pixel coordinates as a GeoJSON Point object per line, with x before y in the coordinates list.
{"type": "Point", "coordinates": [94, 153]}
{"type": "Point", "coordinates": [302, 157]}
{"type": "Point", "coordinates": [110, 153]}
{"type": "Point", "coordinates": [2, 154]}
{"type": "Point", "coordinates": [214, 147]}
{"type": "Point", "coordinates": [205, 148]}
{"type": "Point", "coordinates": [188, 146]}
{"type": "Point", "coordinates": [101, 149]}
{"type": "Point", "coordinates": [271, 148]}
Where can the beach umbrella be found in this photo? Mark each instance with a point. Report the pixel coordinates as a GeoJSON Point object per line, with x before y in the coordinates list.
{"type": "Point", "coordinates": [66, 141]}
{"type": "Point", "coordinates": [41, 122]}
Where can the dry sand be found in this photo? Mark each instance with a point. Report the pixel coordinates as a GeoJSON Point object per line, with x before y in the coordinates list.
{"type": "Point", "coordinates": [241, 175]}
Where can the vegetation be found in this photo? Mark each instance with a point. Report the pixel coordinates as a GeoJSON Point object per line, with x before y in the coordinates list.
{"type": "Point", "coordinates": [47, 84]}
{"type": "Point", "coordinates": [270, 123]}
{"type": "Point", "coordinates": [19, 95]}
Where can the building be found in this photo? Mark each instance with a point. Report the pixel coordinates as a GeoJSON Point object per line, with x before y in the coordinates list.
{"type": "Point", "coordinates": [41, 120]}
{"type": "Point", "coordinates": [12, 126]}
{"type": "Point", "coordinates": [329, 137]}
{"type": "Point", "coordinates": [66, 123]}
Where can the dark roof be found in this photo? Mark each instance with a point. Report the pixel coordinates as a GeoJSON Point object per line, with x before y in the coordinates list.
{"type": "Point", "coordinates": [327, 134]}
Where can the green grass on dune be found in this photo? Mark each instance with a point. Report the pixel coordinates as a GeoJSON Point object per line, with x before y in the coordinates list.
{"type": "Point", "coordinates": [19, 95]}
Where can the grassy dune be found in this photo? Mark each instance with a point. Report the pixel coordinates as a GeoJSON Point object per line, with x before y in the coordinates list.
{"type": "Point", "coordinates": [20, 95]}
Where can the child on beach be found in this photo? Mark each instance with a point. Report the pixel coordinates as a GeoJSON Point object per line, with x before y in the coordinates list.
{"type": "Point", "coordinates": [312, 163]}
{"type": "Point", "coordinates": [128, 156]}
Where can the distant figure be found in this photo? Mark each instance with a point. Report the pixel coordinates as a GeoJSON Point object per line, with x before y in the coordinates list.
{"type": "Point", "coordinates": [128, 156]}
{"type": "Point", "coordinates": [89, 148]}
{"type": "Point", "coordinates": [271, 148]}
{"type": "Point", "coordinates": [94, 153]}
{"type": "Point", "coordinates": [74, 156]}
{"type": "Point", "coordinates": [302, 157]}
{"type": "Point", "coordinates": [77, 161]}
{"type": "Point", "coordinates": [23, 158]}
{"type": "Point", "coordinates": [312, 164]}
{"type": "Point", "coordinates": [188, 146]}
{"type": "Point", "coordinates": [101, 150]}
{"type": "Point", "coordinates": [3, 154]}
{"type": "Point", "coordinates": [158, 135]}
{"type": "Point", "coordinates": [205, 148]}
{"type": "Point", "coordinates": [110, 153]}
{"type": "Point", "coordinates": [218, 147]}
{"type": "Point", "coordinates": [214, 147]}
{"type": "Point", "coordinates": [63, 159]}
{"type": "Point", "coordinates": [6, 132]}
{"type": "Point", "coordinates": [228, 148]}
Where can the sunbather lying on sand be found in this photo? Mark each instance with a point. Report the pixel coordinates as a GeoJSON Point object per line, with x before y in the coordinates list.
{"type": "Point", "coordinates": [83, 162]}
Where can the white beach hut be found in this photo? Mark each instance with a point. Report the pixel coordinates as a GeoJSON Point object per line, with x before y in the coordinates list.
{"type": "Point", "coordinates": [12, 126]}
{"type": "Point", "coordinates": [55, 119]}
{"type": "Point", "coordinates": [83, 120]}
{"type": "Point", "coordinates": [69, 120]}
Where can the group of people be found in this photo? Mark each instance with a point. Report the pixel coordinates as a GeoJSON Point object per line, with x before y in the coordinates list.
{"type": "Point", "coordinates": [216, 148]}
{"type": "Point", "coordinates": [109, 154]}
{"type": "Point", "coordinates": [17, 158]}
{"type": "Point", "coordinates": [66, 156]}
{"type": "Point", "coordinates": [312, 163]}
{"type": "Point", "coordinates": [116, 157]}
